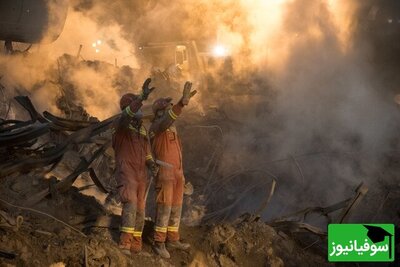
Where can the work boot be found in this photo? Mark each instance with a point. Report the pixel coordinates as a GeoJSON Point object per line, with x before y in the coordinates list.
{"type": "Point", "coordinates": [125, 242]}
{"type": "Point", "coordinates": [178, 245]}
{"type": "Point", "coordinates": [136, 246]}
{"type": "Point", "coordinates": [159, 248]}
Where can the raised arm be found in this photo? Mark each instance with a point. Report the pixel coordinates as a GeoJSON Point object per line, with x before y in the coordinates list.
{"type": "Point", "coordinates": [163, 123]}
{"type": "Point", "coordinates": [130, 112]}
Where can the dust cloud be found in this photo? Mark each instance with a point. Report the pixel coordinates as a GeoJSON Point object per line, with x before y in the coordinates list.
{"type": "Point", "coordinates": [40, 72]}
{"type": "Point", "coordinates": [303, 87]}
{"type": "Point", "coordinates": [314, 90]}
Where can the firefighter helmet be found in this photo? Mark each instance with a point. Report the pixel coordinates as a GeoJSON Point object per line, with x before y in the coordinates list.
{"type": "Point", "coordinates": [161, 104]}
{"type": "Point", "coordinates": [126, 99]}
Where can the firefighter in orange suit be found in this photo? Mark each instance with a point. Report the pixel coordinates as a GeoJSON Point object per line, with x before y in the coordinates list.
{"type": "Point", "coordinates": [170, 181]}
{"type": "Point", "coordinates": [133, 157]}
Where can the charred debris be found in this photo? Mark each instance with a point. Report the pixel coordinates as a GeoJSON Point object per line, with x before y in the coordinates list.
{"type": "Point", "coordinates": [58, 201]}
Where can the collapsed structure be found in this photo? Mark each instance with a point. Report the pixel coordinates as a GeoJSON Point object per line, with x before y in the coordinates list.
{"type": "Point", "coordinates": [47, 145]}
{"type": "Point", "coordinates": [268, 163]}
{"type": "Point", "coordinates": [45, 157]}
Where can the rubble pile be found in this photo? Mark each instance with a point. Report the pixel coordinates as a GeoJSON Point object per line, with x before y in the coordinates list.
{"type": "Point", "coordinates": [250, 242]}
{"type": "Point", "coordinates": [58, 201]}
{"type": "Point", "coordinates": [45, 214]}
{"type": "Point", "coordinates": [74, 229]}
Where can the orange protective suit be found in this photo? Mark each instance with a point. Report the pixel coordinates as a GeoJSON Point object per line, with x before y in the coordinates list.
{"type": "Point", "coordinates": [132, 154]}
{"type": "Point", "coordinates": [170, 182]}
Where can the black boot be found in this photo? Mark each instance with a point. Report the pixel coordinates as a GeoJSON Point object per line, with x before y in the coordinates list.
{"type": "Point", "coordinates": [159, 248]}
{"type": "Point", "coordinates": [178, 245]}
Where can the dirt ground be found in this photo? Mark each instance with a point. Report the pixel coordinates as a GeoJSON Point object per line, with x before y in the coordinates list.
{"type": "Point", "coordinates": [34, 239]}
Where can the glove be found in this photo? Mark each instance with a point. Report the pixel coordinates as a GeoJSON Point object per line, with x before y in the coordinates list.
{"type": "Point", "coordinates": [187, 93]}
{"type": "Point", "coordinates": [154, 168]}
{"type": "Point", "coordinates": [146, 91]}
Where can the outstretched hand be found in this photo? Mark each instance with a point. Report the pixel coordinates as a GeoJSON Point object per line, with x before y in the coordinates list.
{"type": "Point", "coordinates": [146, 91]}
{"type": "Point", "coordinates": [187, 93]}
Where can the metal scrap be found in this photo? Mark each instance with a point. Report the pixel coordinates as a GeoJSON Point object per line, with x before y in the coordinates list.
{"type": "Point", "coordinates": [8, 255]}
{"type": "Point", "coordinates": [51, 156]}
{"type": "Point", "coordinates": [299, 227]}
{"type": "Point", "coordinates": [295, 222]}
{"type": "Point", "coordinates": [27, 163]}
{"type": "Point", "coordinates": [67, 182]}
{"type": "Point", "coordinates": [27, 104]}
{"type": "Point", "coordinates": [44, 214]}
{"type": "Point", "coordinates": [23, 135]}
{"type": "Point", "coordinates": [29, 148]}
{"type": "Point", "coordinates": [324, 211]}
{"type": "Point", "coordinates": [361, 190]}
{"type": "Point", "coordinates": [224, 213]}
{"type": "Point", "coordinates": [97, 181]}
{"type": "Point", "coordinates": [66, 124]}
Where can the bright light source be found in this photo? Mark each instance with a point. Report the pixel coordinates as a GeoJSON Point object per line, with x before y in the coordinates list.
{"type": "Point", "coordinates": [96, 45]}
{"type": "Point", "coordinates": [220, 51]}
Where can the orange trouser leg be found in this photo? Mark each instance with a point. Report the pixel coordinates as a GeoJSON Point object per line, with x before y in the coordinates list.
{"type": "Point", "coordinates": [176, 210]}
{"type": "Point", "coordinates": [137, 234]}
{"type": "Point", "coordinates": [128, 194]}
{"type": "Point", "coordinates": [128, 218]}
{"type": "Point", "coordinates": [164, 194]}
{"type": "Point", "coordinates": [169, 206]}
{"type": "Point", "coordinates": [132, 184]}
{"type": "Point", "coordinates": [140, 213]}
{"type": "Point", "coordinates": [127, 190]}
{"type": "Point", "coordinates": [173, 223]}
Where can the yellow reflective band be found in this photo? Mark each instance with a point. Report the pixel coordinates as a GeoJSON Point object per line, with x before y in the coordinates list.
{"type": "Point", "coordinates": [152, 134]}
{"type": "Point", "coordinates": [143, 132]}
{"type": "Point", "coordinates": [148, 157]}
{"type": "Point", "coordinates": [172, 114]}
{"type": "Point", "coordinates": [173, 228]}
{"type": "Point", "coordinates": [137, 234]}
{"type": "Point", "coordinates": [129, 230]}
{"type": "Point", "coordinates": [161, 229]}
{"type": "Point", "coordinates": [129, 111]}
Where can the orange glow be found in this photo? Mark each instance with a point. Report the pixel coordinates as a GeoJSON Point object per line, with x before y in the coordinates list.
{"type": "Point", "coordinates": [276, 27]}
